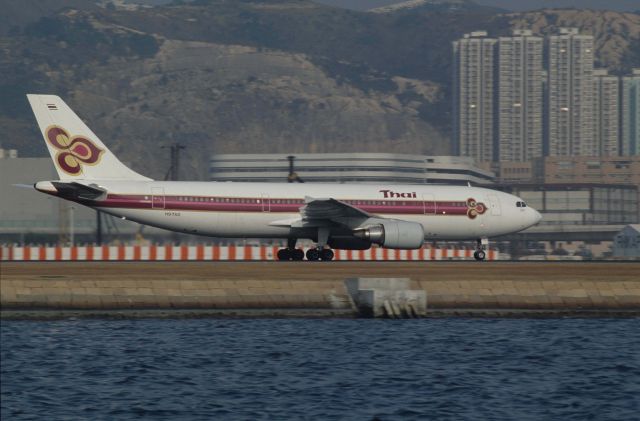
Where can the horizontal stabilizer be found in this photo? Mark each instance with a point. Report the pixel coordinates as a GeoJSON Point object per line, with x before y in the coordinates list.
{"type": "Point", "coordinates": [79, 191]}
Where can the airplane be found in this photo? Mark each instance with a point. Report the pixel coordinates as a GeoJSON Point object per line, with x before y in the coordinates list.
{"type": "Point", "coordinates": [333, 216]}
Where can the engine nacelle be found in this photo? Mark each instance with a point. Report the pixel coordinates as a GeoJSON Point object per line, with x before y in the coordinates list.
{"type": "Point", "coordinates": [393, 234]}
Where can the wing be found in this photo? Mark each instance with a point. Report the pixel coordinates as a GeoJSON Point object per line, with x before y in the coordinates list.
{"type": "Point", "coordinates": [330, 209]}
{"type": "Point", "coordinates": [324, 212]}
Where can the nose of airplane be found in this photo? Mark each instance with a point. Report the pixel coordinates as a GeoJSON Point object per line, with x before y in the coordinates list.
{"type": "Point", "coordinates": [536, 217]}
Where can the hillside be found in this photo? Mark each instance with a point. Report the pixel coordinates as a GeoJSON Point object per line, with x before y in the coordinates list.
{"type": "Point", "coordinates": [259, 76]}
{"type": "Point", "coordinates": [433, 5]}
{"type": "Point", "coordinates": [616, 34]}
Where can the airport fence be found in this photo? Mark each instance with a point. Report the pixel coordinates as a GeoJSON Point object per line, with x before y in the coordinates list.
{"type": "Point", "coordinates": [216, 253]}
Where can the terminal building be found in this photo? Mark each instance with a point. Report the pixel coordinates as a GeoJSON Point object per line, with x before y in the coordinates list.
{"type": "Point", "coordinates": [569, 170]}
{"type": "Point", "coordinates": [349, 168]}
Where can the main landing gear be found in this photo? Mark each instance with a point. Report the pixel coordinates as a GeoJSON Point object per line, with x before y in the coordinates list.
{"type": "Point", "coordinates": [319, 254]}
{"type": "Point", "coordinates": [316, 253]}
{"type": "Point", "coordinates": [481, 245]}
{"type": "Point", "coordinates": [291, 252]}
{"type": "Point", "coordinates": [298, 254]}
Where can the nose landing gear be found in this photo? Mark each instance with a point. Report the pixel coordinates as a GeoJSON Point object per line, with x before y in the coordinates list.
{"type": "Point", "coordinates": [479, 255]}
{"type": "Point", "coordinates": [481, 245]}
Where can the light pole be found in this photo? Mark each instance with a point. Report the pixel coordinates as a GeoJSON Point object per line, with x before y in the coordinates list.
{"type": "Point", "coordinates": [174, 168]}
{"type": "Point", "coordinates": [71, 228]}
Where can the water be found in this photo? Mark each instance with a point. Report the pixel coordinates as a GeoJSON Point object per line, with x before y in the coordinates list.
{"type": "Point", "coordinates": [500, 369]}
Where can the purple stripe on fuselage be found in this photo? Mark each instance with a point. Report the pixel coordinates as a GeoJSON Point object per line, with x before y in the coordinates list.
{"type": "Point", "coordinates": [235, 204]}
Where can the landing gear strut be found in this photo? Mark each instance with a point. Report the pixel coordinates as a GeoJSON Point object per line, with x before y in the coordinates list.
{"type": "Point", "coordinates": [481, 245]}
{"type": "Point", "coordinates": [321, 253]}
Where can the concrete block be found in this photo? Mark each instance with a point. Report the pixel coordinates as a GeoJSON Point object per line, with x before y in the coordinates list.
{"type": "Point", "coordinates": [378, 297]}
{"type": "Point", "coordinates": [144, 292]}
{"type": "Point", "coordinates": [8, 295]}
{"type": "Point", "coordinates": [355, 284]}
{"type": "Point", "coordinates": [174, 292]}
{"type": "Point", "coordinates": [33, 284]}
{"type": "Point", "coordinates": [573, 293]}
{"type": "Point", "coordinates": [628, 302]}
{"type": "Point", "coordinates": [93, 301]}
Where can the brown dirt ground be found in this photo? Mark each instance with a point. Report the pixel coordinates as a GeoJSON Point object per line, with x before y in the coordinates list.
{"type": "Point", "coordinates": [314, 271]}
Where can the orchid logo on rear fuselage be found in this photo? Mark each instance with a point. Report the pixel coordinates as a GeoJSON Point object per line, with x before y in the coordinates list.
{"type": "Point", "coordinates": [73, 151]}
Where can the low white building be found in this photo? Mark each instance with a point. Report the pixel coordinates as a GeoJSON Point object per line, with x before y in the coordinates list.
{"type": "Point", "coordinates": [349, 168]}
{"type": "Point", "coordinates": [626, 244]}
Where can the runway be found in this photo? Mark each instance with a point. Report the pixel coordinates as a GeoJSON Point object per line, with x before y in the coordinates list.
{"type": "Point", "coordinates": [316, 286]}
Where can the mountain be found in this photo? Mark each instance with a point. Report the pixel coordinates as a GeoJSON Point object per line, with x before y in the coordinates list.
{"type": "Point", "coordinates": [257, 75]}
{"type": "Point", "coordinates": [433, 5]}
{"type": "Point", "coordinates": [16, 14]}
{"type": "Point", "coordinates": [616, 34]}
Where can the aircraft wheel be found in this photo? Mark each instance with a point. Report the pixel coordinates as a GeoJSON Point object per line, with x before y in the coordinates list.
{"type": "Point", "coordinates": [313, 254]}
{"type": "Point", "coordinates": [326, 254]}
{"type": "Point", "coordinates": [297, 254]}
{"type": "Point", "coordinates": [284, 254]}
{"type": "Point", "coordinates": [479, 255]}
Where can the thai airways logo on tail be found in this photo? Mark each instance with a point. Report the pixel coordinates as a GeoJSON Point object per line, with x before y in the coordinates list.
{"type": "Point", "coordinates": [73, 151]}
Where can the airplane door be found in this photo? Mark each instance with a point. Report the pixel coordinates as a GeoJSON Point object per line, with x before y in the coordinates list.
{"type": "Point", "coordinates": [429, 204]}
{"type": "Point", "coordinates": [494, 203]}
{"type": "Point", "coordinates": [157, 198]}
{"type": "Point", "coordinates": [266, 203]}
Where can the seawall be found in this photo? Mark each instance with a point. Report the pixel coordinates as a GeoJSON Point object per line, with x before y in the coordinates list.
{"type": "Point", "coordinates": [314, 288]}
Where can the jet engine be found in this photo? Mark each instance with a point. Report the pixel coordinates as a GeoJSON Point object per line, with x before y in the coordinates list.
{"type": "Point", "coordinates": [393, 234]}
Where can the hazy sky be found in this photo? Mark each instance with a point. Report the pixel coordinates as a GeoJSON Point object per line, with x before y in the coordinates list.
{"type": "Point", "coordinates": [621, 5]}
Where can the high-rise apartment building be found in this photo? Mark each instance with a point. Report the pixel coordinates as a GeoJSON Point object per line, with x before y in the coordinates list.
{"type": "Point", "coordinates": [606, 115]}
{"type": "Point", "coordinates": [631, 114]}
{"type": "Point", "coordinates": [519, 97]}
{"type": "Point", "coordinates": [473, 96]}
{"type": "Point", "coordinates": [570, 94]}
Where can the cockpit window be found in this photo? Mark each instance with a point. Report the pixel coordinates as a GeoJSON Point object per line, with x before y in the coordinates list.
{"type": "Point", "coordinates": [521, 205]}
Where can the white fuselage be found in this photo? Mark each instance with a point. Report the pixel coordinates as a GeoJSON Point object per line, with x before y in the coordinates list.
{"type": "Point", "coordinates": [257, 210]}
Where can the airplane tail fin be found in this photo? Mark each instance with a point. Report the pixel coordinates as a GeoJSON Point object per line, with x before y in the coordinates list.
{"type": "Point", "coordinates": [77, 153]}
